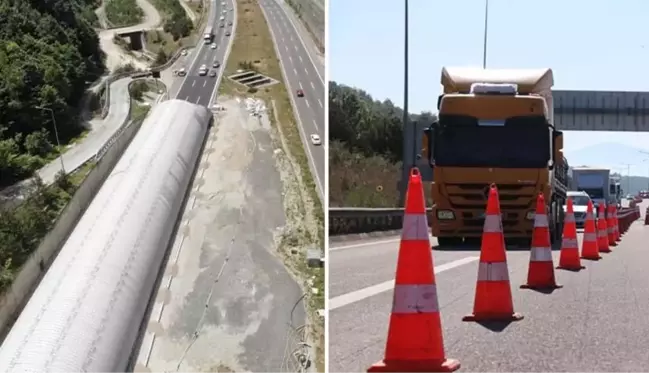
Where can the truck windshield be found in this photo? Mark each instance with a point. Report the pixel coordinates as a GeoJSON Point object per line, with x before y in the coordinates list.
{"type": "Point", "coordinates": [523, 142]}
{"type": "Point", "coordinates": [594, 193]}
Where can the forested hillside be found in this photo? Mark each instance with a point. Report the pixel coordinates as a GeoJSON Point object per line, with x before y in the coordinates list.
{"type": "Point", "coordinates": [365, 148]}
{"type": "Point", "coordinates": [49, 53]}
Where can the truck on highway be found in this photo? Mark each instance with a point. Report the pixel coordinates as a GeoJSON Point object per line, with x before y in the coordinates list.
{"type": "Point", "coordinates": [208, 34]}
{"type": "Point", "coordinates": [596, 182]}
{"type": "Point", "coordinates": [495, 126]}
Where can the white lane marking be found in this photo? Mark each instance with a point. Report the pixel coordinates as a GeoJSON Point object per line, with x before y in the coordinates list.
{"type": "Point", "coordinates": [307, 72]}
{"type": "Point", "coordinates": [300, 57]}
{"type": "Point", "coordinates": [285, 47]}
{"type": "Point", "coordinates": [295, 71]}
{"type": "Point", "coordinates": [193, 83]}
{"type": "Point", "coordinates": [320, 103]}
{"type": "Point", "coordinates": [300, 83]}
{"type": "Point", "coordinates": [371, 243]}
{"type": "Point", "coordinates": [316, 126]}
{"type": "Point", "coordinates": [290, 59]}
{"type": "Point", "coordinates": [187, 98]}
{"type": "Point", "coordinates": [198, 99]}
{"type": "Point", "coordinates": [204, 83]}
{"type": "Point", "coordinates": [370, 291]}
{"type": "Point", "coordinates": [295, 46]}
{"type": "Point", "coordinates": [312, 85]}
{"type": "Point", "coordinates": [307, 103]}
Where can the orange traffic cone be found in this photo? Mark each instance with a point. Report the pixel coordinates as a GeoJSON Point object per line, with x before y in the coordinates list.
{"type": "Point", "coordinates": [415, 342]}
{"type": "Point", "coordinates": [602, 231]}
{"type": "Point", "coordinates": [618, 236]}
{"type": "Point", "coordinates": [589, 246]}
{"type": "Point", "coordinates": [569, 258]}
{"type": "Point", "coordinates": [493, 293]}
{"type": "Point", "coordinates": [540, 274]}
{"type": "Point", "coordinates": [610, 223]}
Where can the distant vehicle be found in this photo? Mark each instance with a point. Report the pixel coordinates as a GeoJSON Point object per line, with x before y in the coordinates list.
{"type": "Point", "coordinates": [644, 194]}
{"type": "Point", "coordinates": [580, 206]}
{"type": "Point", "coordinates": [213, 46]}
{"type": "Point", "coordinates": [222, 18]}
{"type": "Point", "coordinates": [227, 33]}
{"type": "Point", "coordinates": [212, 74]}
{"type": "Point", "coordinates": [182, 72]}
{"type": "Point", "coordinates": [184, 52]}
{"type": "Point", "coordinates": [216, 64]}
{"type": "Point", "coordinates": [629, 197]}
{"type": "Point", "coordinates": [203, 70]}
{"type": "Point", "coordinates": [315, 139]}
{"type": "Point", "coordinates": [225, 10]}
{"type": "Point", "coordinates": [230, 23]}
{"type": "Point", "coordinates": [208, 34]}
{"type": "Point", "coordinates": [222, 25]}
{"type": "Point", "coordinates": [300, 93]}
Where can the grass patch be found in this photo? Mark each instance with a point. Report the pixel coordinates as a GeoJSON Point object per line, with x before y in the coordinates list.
{"type": "Point", "coordinates": [160, 40]}
{"type": "Point", "coordinates": [122, 13]}
{"type": "Point", "coordinates": [253, 48]}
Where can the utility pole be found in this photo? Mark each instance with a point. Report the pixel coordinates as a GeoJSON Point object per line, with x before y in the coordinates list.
{"type": "Point", "coordinates": [408, 147]}
{"type": "Point", "coordinates": [628, 176]}
{"type": "Point", "coordinates": [56, 134]}
{"type": "Point", "coordinates": [486, 34]}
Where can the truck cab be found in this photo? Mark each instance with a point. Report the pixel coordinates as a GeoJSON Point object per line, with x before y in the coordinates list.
{"type": "Point", "coordinates": [495, 126]}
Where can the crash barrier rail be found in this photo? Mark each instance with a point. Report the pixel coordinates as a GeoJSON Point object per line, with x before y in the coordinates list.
{"type": "Point", "coordinates": [346, 220]}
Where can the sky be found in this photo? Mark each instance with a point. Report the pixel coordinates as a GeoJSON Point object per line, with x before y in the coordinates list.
{"type": "Point", "coordinates": [590, 45]}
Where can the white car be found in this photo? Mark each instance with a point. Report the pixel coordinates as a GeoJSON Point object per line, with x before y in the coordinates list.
{"type": "Point", "coordinates": [315, 139]}
{"type": "Point", "coordinates": [213, 46]}
{"type": "Point", "coordinates": [184, 52]}
{"type": "Point", "coordinates": [182, 72]}
{"type": "Point", "coordinates": [203, 70]}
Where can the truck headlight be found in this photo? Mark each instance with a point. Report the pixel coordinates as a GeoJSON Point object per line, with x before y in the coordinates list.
{"type": "Point", "coordinates": [445, 215]}
{"type": "Point", "coordinates": [530, 215]}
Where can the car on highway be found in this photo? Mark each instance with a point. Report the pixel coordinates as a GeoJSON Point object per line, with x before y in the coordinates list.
{"type": "Point", "coordinates": [184, 52]}
{"type": "Point", "coordinates": [227, 33]}
{"type": "Point", "coordinates": [182, 72]}
{"type": "Point", "coordinates": [580, 206]}
{"type": "Point", "coordinates": [315, 139]}
{"type": "Point", "coordinates": [212, 74]}
{"type": "Point", "coordinates": [222, 25]}
{"type": "Point", "coordinates": [216, 64]}
{"type": "Point", "coordinates": [629, 197]}
{"type": "Point", "coordinates": [202, 71]}
{"type": "Point", "coordinates": [300, 93]}
{"type": "Point", "coordinates": [222, 18]}
{"type": "Point", "coordinates": [213, 46]}
{"type": "Point", "coordinates": [230, 23]}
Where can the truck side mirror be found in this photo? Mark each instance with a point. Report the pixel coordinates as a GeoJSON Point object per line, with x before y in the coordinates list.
{"type": "Point", "coordinates": [428, 145]}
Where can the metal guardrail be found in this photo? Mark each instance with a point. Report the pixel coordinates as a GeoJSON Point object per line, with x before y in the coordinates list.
{"type": "Point", "coordinates": [345, 220]}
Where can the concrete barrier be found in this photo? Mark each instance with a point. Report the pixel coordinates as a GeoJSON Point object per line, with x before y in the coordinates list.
{"type": "Point", "coordinates": [14, 298]}
{"type": "Point", "coordinates": [344, 220]}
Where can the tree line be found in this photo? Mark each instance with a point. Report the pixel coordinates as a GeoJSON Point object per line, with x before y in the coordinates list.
{"type": "Point", "coordinates": [365, 149]}
{"type": "Point", "coordinates": [49, 53]}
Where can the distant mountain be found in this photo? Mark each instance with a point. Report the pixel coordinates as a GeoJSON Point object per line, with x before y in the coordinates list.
{"type": "Point", "coordinates": [611, 155]}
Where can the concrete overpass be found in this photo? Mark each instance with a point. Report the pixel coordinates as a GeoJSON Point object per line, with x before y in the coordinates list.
{"type": "Point", "coordinates": [601, 111]}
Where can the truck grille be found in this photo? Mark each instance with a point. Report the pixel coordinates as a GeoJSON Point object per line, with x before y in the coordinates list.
{"type": "Point", "coordinates": [513, 197]}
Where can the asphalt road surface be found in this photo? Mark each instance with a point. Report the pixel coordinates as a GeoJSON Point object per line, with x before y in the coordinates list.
{"type": "Point", "coordinates": [596, 322]}
{"type": "Point", "coordinates": [312, 13]}
{"type": "Point", "coordinates": [199, 89]}
{"type": "Point", "coordinates": [300, 74]}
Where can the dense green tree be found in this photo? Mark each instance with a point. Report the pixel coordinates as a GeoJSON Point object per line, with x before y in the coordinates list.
{"type": "Point", "coordinates": [365, 148]}
{"type": "Point", "coordinates": [49, 52]}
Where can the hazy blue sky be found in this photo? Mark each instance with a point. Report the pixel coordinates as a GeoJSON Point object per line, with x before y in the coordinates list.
{"type": "Point", "coordinates": [591, 45]}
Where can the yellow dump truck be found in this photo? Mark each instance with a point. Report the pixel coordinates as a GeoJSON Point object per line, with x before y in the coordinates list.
{"type": "Point", "coordinates": [495, 126]}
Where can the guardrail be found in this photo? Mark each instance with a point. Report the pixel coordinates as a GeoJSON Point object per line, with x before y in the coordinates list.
{"type": "Point", "coordinates": [344, 220]}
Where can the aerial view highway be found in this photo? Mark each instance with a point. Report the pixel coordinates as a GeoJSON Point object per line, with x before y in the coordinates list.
{"type": "Point", "coordinates": [304, 81]}
{"type": "Point", "coordinates": [182, 271]}
{"type": "Point", "coordinates": [199, 86]}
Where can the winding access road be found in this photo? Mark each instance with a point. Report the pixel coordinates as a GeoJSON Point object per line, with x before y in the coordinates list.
{"type": "Point", "coordinates": [300, 73]}
{"type": "Point", "coordinates": [596, 322]}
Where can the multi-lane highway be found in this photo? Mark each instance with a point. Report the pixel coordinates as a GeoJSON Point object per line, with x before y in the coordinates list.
{"type": "Point", "coordinates": [300, 73]}
{"type": "Point", "coordinates": [200, 89]}
{"type": "Point", "coordinates": [596, 322]}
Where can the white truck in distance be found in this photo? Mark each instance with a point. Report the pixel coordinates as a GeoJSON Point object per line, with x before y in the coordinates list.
{"type": "Point", "coordinates": [594, 181]}
{"type": "Point", "coordinates": [208, 34]}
